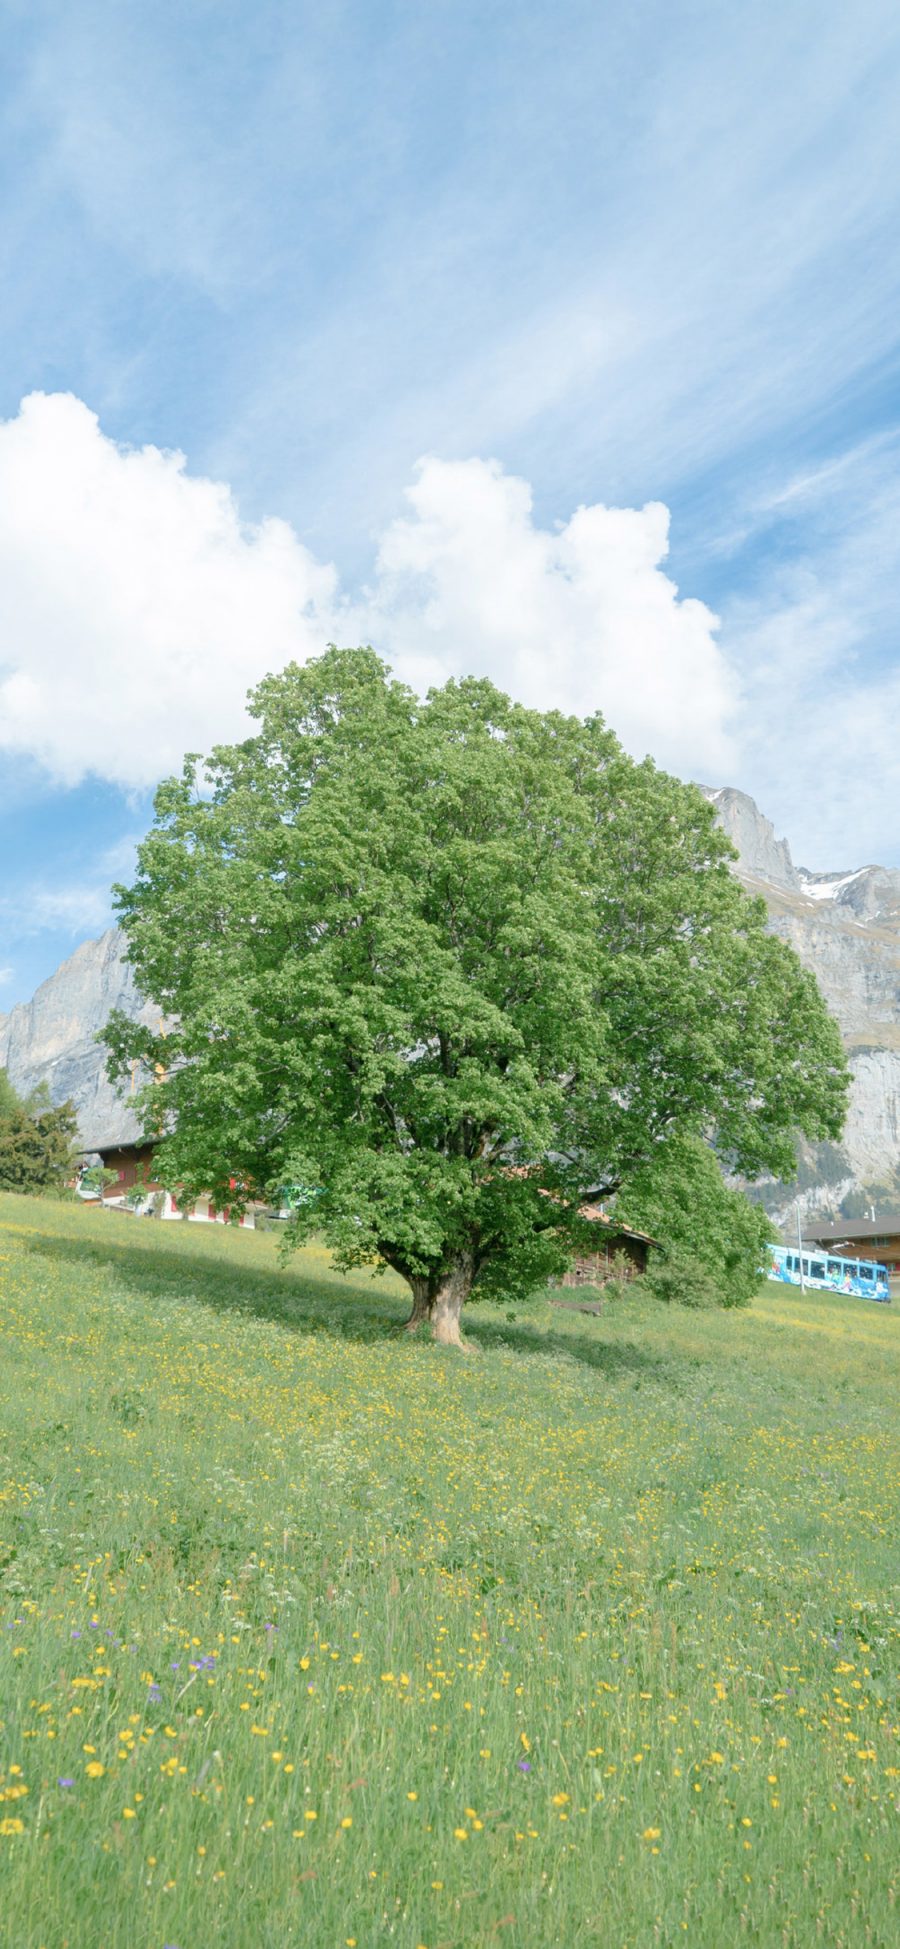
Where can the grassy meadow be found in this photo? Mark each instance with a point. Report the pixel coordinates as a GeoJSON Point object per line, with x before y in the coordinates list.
{"type": "Point", "coordinates": [314, 1635]}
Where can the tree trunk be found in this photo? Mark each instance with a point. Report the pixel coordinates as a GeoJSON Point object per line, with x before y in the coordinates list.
{"type": "Point", "coordinates": [421, 1305]}
{"type": "Point", "coordinates": [447, 1303]}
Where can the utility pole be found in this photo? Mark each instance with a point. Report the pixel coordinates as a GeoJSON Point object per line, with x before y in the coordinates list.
{"type": "Point", "coordinates": [800, 1249]}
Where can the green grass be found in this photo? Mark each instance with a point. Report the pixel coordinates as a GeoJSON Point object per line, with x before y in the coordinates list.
{"type": "Point", "coordinates": [588, 1638]}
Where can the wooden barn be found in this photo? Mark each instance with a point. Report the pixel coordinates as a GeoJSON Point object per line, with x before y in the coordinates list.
{"type": "Point", "coordinates": [620, 1252]}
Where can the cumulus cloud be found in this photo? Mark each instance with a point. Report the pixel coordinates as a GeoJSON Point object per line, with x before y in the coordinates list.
{"type": "Point", "coordinates": [581, 617]}
{"type": "Point", "coordinates": [137, 608]}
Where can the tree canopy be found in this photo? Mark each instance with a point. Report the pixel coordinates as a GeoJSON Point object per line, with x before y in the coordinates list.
{"type": "Point", "coordinates": [713, 1238]}
{"type": "Point", "coordinates": [36, 1140]}
{"type": "Point", "coordinates": [452, 965]}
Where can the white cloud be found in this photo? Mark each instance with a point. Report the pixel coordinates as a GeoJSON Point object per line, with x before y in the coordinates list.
{"type": "Point", "coordinates": [581, 617]}
{"type": "Point", "coordinates": [6, 975]}
{"type": "Point", "coordinates": [136, 608]}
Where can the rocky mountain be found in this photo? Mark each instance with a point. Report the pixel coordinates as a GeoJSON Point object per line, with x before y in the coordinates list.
{"type": "Point", "coordinates": [844, 925]}
{"type": "Point", "coordinates": [52, 1038]}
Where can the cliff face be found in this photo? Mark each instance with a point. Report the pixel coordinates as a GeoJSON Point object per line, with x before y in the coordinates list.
{"type": "Point", "coordinates": [763, 858]}
{"type": "Point", "coordinates": [845, 926]}
{"type": "Point", "coordinates": [51, 1038]}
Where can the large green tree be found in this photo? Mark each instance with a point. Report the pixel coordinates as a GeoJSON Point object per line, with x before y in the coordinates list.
{"type": "Point", "coordinates": [452, 964]}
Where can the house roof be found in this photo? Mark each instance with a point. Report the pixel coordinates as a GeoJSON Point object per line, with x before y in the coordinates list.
{"type": "Point", "coordinates": [594, 1212]}
{"type": "Point", "coordinates": [855, 1228]}
{"type": "Point", "coordinates": [600, 1217]}
{"type": "Point", "coordinates": [106, 1148]}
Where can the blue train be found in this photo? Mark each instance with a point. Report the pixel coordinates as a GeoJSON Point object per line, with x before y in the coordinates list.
{"type": "Point", "coordinates": [827, 1273]}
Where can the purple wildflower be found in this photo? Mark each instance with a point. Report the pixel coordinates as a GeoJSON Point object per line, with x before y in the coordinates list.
{"type": "Point", "coordinates": [524, 1766]}
{"type": "Point", "coordinates": [65, 1783]}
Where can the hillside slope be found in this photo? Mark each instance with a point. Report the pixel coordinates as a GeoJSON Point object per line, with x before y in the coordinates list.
{"type": "Point", "coordinates": [314, 1634]}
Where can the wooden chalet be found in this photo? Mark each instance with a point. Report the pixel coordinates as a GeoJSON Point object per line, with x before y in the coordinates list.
{"type": "Point", "coordinates": [860, 1238]}
{"type": "Point", "coordinates": [133, 1164]}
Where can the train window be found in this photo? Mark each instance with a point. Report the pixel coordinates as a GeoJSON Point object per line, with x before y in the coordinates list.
{"type": "Point", "coordinates": [817, 1269]}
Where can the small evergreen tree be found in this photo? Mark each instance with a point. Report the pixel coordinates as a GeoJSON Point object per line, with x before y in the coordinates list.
{"type": "Point", "coordinates": [36, 1140]}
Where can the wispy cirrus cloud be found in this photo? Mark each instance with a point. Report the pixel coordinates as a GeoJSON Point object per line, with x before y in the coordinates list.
{"type": "Point", "coordinates": [71, 907]}
{"type": "Point", "coordinates": [815, 638]}
{"type": "Point", "coordinates": [617, 273]}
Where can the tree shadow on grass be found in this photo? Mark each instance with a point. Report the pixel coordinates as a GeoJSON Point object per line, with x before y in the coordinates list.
{"type": "Point", "coordinates": [292, 1298]}
{"type": "Point", "coordinates": [609, 1357]}
{"type": "Point", "coordinates": [332, 1305]}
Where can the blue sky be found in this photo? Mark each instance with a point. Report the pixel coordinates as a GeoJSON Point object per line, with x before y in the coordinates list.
{"type": "Point", "coordinates": [644, 260]}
